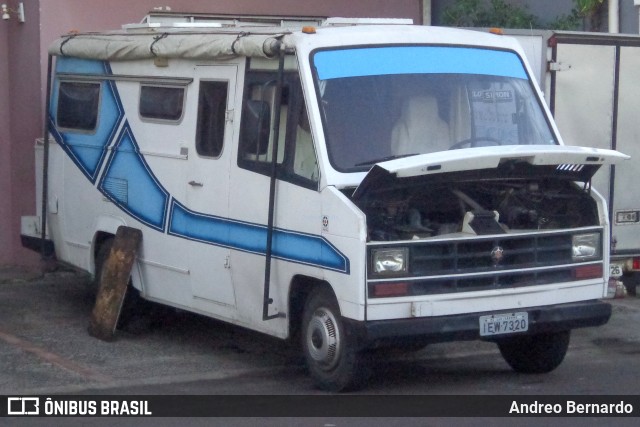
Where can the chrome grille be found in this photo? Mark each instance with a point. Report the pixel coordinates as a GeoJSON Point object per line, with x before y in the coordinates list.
{"type": "Point", "coordinates": [474, 256]}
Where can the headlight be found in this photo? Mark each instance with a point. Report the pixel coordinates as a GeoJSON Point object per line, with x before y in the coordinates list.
{"type": "Point", "coordinates": [586, 246]}
{"type": "Point", "coordinates": [387, 261]}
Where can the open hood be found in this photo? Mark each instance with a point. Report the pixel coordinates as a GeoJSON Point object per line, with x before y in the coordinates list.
{"type": "Point", "coordinates": [512, 162]}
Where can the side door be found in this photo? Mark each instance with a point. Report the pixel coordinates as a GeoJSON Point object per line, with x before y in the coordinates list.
{"type": "Point", "coordinates": [203, 218]}
{"type": "Point", "coordinates": [297, 213]}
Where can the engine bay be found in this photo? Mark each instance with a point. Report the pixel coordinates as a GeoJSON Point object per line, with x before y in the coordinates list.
{"type": "Point", "coordinates": [477, 207]}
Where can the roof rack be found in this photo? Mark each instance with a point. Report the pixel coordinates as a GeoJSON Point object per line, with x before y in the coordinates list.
{"type": "Point", "coordinates": [337, 22]}
{"type": "Point", "coordinates": [163, 19]}
{"type": "Point", "coordinates": [166, 18]}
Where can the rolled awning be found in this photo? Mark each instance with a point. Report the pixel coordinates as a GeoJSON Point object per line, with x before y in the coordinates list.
{"type": "Point", "coordinates": [201, 45]}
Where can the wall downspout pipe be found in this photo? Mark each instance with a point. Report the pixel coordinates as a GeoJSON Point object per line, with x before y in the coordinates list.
{"type": "Point", "coordinates": [45, 165]}
{"type": "Point", "coordinates": [614, 16]}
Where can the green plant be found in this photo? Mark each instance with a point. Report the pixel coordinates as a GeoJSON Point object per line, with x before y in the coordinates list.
{"type": "Point", "coordinates": [591, 13]}
{"type": "Point", "coordinates": [586, 7]}
{"type": "Point", "coordinates": [570, 22]}
{"type": "Point", "coordinates": [494, 13]}
{"type": "Point", "coordinates": [586, 15]}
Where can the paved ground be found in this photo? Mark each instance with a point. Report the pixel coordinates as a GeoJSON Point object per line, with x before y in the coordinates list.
{"type": "Point", "coordinates": [45, 347]}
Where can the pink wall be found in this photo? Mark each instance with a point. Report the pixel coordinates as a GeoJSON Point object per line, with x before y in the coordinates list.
{"type": "Point", "coordinates": [61, 16]}
{"type": "Point", "coordinates": [20, 107]}
{"type": "Point", "coordinates": [23, 62]}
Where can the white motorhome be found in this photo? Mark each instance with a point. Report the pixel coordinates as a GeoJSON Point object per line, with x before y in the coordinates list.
{"type": "Point", "coordinates": [349, 186]}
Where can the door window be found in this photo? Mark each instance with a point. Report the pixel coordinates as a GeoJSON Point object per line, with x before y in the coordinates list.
{"type": "Point", "coordinates": [212, 109]}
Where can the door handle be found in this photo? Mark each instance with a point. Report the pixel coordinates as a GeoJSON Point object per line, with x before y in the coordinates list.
{"type": "Point", "coordinates": [196, 184]}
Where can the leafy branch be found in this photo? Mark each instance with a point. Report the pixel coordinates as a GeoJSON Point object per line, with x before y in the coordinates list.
{"type": "Point", "coordinates": [587, 14]}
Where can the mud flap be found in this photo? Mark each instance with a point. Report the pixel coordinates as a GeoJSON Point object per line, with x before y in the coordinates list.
{"type": "Point", "coordinates": [113, 283]}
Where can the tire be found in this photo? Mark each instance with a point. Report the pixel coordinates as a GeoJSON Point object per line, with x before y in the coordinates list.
{"type": "Point", "coordinates": [329, 349]}
{"type": "Point", "coordinates": [535, 354]}
{"type": "Point", "coordinates": [630, 281]}
{"type": "Point", "coordinates": [101, 257]}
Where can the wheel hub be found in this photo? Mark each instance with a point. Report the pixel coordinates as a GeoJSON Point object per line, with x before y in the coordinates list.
{"type": "Point", "coordinates": [323, 338]}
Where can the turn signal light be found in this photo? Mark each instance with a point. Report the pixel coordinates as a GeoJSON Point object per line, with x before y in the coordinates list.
{"type": "Point", "coordinates": [389, 289]}
{"type": "Point", "coordinates": [588, 272]}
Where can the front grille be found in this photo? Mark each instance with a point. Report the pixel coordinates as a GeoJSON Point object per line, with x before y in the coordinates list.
{"type": "Point", "coordinates": [474, 256]}
{"type": "Point", "coordinates": [491, 262]}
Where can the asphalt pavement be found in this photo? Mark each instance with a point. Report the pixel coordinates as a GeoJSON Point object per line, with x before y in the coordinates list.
{"type": "Point", "coordinates": [45, 346]}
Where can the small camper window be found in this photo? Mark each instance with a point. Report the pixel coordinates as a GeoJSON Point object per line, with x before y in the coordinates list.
{"type": "Point", "coordinates": [161, 102]}
{"type": "Point", "coordinates": [258, 120]}
{"type": "Point", "coordinates": [78, 105]}
{"type": "Point", "coordinates": [212, 108]}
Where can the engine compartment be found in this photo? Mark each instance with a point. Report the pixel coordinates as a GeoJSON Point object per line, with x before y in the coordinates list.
{"type": "Point", "coordinates": [477, 207]}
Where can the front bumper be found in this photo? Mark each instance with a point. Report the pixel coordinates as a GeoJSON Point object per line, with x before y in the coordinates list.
{"type": "Point", "coordinates": [461, 327]}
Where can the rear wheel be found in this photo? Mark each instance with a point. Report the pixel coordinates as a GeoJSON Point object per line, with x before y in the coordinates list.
{"type": "Point", "coordinates": [535, 354]}
{"type": "Point", "coordinates": [101, 257]}
{"type": "Point", "coordinates": [329, 348]}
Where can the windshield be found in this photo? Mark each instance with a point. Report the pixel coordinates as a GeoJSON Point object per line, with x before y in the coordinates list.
{"type": "Point", "coordinates": [381, 103]}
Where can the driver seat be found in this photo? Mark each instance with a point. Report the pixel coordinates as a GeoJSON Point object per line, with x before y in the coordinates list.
{"type": "Point", "coordinates": [420, 128]}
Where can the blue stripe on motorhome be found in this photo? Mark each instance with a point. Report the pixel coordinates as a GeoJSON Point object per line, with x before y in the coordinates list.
{"type": "Point", "coordinates": [87, 150]}
{"type": "Point", "coordinates": [138, 192]}
{"type": "Point", "coordinates": [81, 66]}
{"type": "Point", "coordinates": [287, 245]}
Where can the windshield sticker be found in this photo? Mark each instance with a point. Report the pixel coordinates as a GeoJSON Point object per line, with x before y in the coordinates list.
{"type": "Point", "coordinates": [491, 96]}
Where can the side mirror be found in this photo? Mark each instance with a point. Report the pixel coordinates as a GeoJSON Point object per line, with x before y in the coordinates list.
{"type": "Point", "coordinates": [256, 121]}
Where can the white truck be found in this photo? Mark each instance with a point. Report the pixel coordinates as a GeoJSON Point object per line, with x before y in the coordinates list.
{"type": "Point", "coordinates": [590, 81]}
{"type": "Point", "coordinates": [349, 184]}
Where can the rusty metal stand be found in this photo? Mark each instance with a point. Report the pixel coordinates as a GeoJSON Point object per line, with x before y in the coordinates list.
{"type": "Point", "coordinates": [113, 283]}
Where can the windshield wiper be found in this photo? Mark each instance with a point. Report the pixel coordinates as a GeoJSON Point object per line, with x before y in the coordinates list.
{"type": "Point", "coordinates": [385, 159]}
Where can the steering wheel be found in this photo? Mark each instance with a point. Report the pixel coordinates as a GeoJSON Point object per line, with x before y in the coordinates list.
{"type": "Point", "coordinates": [473, 142]}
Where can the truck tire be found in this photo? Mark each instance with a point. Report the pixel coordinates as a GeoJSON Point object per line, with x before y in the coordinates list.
{"type": "Point", "coordinates": [329, 349]}
{"type": "Point", "coordinates": [535, 354]}
{"type": "Point", "coordinates": [101, 257]}
{"type": "Point", "coordinates": [630, 281]}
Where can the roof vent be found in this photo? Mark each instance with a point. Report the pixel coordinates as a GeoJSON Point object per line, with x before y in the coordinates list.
{"type": "Point", "coordinates": [337, 22]}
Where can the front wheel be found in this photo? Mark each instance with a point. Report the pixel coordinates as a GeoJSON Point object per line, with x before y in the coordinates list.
{"type": "Point", "coordinates": [535, 354]}
{"type": "Point", "coordinates": [329, 348]}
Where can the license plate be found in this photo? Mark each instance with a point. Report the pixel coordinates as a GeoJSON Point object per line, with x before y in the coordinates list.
{"type": "Point", "coordinates": [507, 323]}
{"type": "Point", "coordinates": [615, 270]}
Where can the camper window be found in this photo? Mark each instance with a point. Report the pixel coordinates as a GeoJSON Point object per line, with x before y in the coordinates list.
{"type": "Point", "coordinates": [255, 149]}
{"type": "Point", "coordinates": [296, 157]}
{"type": "Point", "coordinates": [212, 107]}
{"type": "Point", "coordinates": [78, 106]}
{"type": "Point", "coordinates": [161, 103]}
